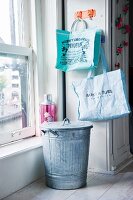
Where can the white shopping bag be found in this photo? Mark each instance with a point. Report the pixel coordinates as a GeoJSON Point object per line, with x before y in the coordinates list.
{"type": "Point", "coordinates": [104, 96]}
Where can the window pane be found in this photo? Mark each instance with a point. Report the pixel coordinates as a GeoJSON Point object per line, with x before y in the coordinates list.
{"type": "Point", "coordinates": [4, 24]}
{"type": "Point", "coordinates": [14, 22]}
{"type": "Point", "coordinates": [14, 97]}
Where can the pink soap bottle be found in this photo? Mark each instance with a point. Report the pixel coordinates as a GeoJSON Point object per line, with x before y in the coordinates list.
{"type": "Point", "coordinates": [47, 109]}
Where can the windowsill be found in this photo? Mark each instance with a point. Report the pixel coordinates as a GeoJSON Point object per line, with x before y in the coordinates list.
{"type": "Point", "coordinates": [20, 147]}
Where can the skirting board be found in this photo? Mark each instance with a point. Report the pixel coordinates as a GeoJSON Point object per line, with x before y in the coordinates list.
{"type": "Point", "coordinates": [115, 171]}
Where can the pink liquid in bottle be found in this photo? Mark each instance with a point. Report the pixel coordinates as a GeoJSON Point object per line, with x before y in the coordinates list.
{"type": "Point", "coordinates": [47, 109]}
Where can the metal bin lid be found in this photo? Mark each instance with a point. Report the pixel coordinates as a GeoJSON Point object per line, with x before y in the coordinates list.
{"type": "Point", "coordinates": [66, 124]}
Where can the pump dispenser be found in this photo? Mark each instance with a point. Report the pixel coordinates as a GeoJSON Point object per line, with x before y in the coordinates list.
{"type": "Point", "coordinates": [47, 109]}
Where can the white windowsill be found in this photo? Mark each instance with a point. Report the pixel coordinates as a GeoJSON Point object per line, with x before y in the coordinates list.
{"type": "Point", "coordinates": [20, 146]}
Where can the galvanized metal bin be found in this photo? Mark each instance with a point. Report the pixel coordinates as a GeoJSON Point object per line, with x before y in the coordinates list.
{"type": "Point", "coordinates": [66, 150]}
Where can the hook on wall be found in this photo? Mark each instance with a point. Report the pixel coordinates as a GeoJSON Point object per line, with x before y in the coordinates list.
{"type": "Point", "coordinates": [85, 14]}
{"type": "Point", "coordinates": [88, 14]}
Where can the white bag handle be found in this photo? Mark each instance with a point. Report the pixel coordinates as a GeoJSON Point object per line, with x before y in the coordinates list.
{"type": "Point", "coordinates": [76, 22]}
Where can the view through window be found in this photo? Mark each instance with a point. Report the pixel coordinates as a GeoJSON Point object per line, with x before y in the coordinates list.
{"type": "Point", "coordinates": [13, 93]}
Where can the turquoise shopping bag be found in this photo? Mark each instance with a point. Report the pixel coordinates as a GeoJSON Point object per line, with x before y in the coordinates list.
{"type": "Point", "coordinates": [78, 49]}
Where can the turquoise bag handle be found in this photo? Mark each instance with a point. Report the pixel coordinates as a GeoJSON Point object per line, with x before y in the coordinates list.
{"type": "Point", "coordinates": [104, 61]}
{"type": "Point", "coordinates": [97, 47]}
{"type": "Point", "coordinates": [105, 66]}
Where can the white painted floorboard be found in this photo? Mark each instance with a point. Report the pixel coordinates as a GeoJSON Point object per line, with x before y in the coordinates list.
{"type": "Point", "coordinates": [99, 187]}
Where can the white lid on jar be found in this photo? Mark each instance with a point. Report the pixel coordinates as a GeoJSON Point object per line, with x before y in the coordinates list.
{"type": "Point", "coordinates": [47, 98]}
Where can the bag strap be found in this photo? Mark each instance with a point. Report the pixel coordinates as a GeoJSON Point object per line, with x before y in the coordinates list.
{"type": "Point", "coordinates": [97, 47]}
{"type": "Point", "coordinates": [104, 61]}
{"type": "Point", "coordinates": [76, 22]}
{"type": "Point", "coordinates": [91, 72]}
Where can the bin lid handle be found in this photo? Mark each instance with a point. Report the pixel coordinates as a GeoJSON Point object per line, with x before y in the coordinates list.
{"type": "Point", "coordinates": [66, 121]}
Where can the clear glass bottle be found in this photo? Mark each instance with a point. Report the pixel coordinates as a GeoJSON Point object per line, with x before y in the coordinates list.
{"type": "Point", "coordinates": [47, 109]}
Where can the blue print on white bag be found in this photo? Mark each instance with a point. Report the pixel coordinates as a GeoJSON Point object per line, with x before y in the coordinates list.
{"type": "Point", "coordinates": [74, 51]}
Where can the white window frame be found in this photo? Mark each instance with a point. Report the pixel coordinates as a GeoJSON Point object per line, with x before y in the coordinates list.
{"type": "Point", "coordinates": [35, 54]}
{"type": "Point", "coordinates": [27, 131]}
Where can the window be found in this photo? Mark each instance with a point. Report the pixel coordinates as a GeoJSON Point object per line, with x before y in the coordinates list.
{"type": "Point", "coordinates": [17, 103]}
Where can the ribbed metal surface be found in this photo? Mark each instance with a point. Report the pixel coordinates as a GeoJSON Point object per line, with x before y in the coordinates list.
{"type": "Point", "coordinates": [66, 158]}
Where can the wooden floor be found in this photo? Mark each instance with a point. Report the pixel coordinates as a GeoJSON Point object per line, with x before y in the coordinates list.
{"type": "Point", "coordinates": [99, 187]}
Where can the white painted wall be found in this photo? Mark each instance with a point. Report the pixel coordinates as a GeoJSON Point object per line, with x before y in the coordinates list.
{"type": "Point", "coordinates": [48, 9]}
{"type": "Point", "coordinates": [99, 21]}
{"type": "Point", "coordinates": [20, 170]}
{"type": "Point", "coordinates": [100, 145]}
